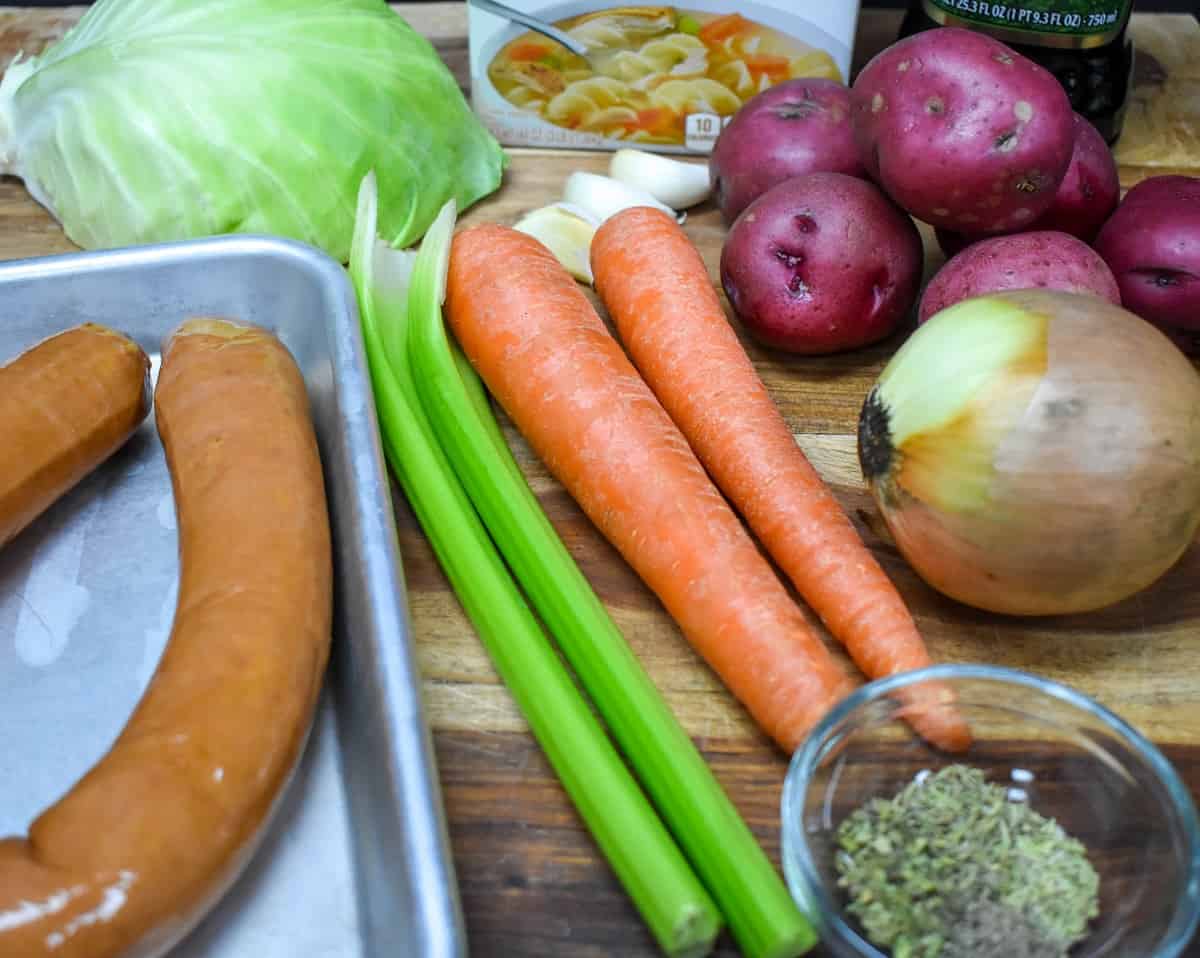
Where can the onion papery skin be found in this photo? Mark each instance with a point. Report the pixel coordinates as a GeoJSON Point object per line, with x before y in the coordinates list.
{"type": "Point", "coordinates": [1036, 452]}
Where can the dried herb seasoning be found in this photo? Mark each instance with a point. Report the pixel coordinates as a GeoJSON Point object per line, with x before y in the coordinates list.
{"type": "Point", "coordinates": [952, 867]}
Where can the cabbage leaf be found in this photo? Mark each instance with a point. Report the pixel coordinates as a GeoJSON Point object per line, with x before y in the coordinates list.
{"type": "Point", "coordinates": [157, 120]}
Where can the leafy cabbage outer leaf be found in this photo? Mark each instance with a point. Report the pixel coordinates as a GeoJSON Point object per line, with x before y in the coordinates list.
{"type": "Point", "coordinates": [157, 120]}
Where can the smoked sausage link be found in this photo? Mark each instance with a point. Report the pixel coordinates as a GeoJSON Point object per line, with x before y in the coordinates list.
{"type": "Point", "coordinates": [66, 405]}
{"type": "Point", "coordinates": [130, 858]}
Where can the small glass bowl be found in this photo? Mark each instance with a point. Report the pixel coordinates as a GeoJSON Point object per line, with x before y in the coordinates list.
{"type": "Point", "coordinates": [1069, 757]}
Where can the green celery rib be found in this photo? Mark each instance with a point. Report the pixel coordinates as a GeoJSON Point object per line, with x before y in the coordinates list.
{"type": "Point", "coordinates": [757, 906]}
{"type": "Point", "coordinates": [672, 901]}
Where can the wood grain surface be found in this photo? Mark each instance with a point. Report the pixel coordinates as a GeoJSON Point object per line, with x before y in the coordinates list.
{"type": "Point", "coordinates": [532, 881]}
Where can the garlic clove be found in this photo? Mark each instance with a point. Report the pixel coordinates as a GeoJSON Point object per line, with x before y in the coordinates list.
{"type": "Point", "coordinates": [603, 196]}
{"type": "Point", "coordinates": [673, 182]}
{"type": "Point", "coordinates": [566, 230]}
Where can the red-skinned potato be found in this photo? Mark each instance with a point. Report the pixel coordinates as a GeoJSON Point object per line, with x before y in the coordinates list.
{"type": "Point", "coordinates": [961, 131]}
{"type": "Point", "coordinates": [1152, 245]}
{"type": "Point", "coordinates": [1089, 191]}
{"type": "Point", "coordinates": [796, 127]}
{"type": "Point", "coordinates": [1045, 259]}
{"type": "Point", "coordinates": [1085, 198]}
{"type": "Point", "coordinates": [821, 263]}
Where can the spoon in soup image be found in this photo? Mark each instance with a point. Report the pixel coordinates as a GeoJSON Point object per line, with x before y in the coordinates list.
{"type": "Point", "coordinates": [528, 20]}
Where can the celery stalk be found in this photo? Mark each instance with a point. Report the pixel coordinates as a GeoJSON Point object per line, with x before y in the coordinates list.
{"type": "Point", "coordinates": [672, 901]}
{"type": "Point", "coordinates": [757, 906]}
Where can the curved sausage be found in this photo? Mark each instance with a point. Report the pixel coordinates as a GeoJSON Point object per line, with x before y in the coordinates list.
{"type": "Point", "coordinates": [137, 850]}
{"type": "Point", "coordinates": [66, 405]}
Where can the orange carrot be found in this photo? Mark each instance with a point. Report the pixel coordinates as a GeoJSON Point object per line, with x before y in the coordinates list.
{"type": "Point", "coordinates": [657, 291]}
{"type": "Point", "coordinates": [651, 120]}
{"type": "Point", "coordinates": [769, 63]}
{"type": "Point", "coordinates": [547, 357]}
{"type": "Point", "coordinates": [722, 28]}
{"type": "Point", "coordinates": [527, 50]}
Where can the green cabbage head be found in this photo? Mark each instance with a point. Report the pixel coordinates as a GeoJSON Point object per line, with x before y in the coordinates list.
{"type": "Point", "coordinates": [157, 120]}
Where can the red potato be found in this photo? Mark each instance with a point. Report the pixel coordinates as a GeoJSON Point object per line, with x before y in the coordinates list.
{"type": "Point", "coordinates": [1085, 198]}
{"type": "Point", "coordinates": [1090, 189]}
{"type": "Point", "coordinates": [1152, 245]}
{"type": "Point", "coordinates": [796, 127]}
{"type": "Point", "coordinates": [821, 263]}
{"type": "Point", "coordinates": [962, 131]}
{"type": "Point", "coordinates": [1042, 259]}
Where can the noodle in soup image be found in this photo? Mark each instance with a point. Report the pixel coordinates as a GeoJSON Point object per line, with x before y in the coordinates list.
{"type": "Point", "coordinates": [647, 70]}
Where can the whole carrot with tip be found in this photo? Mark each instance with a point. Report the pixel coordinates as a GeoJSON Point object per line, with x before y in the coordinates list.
{"type": "Point", "coordinates": [547, 357]}
{"type": "Point", "coordinates": [658, 294]}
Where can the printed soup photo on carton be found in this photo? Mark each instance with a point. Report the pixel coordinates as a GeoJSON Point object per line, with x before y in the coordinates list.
{"type": "Point", "coordinates": [664, 78]}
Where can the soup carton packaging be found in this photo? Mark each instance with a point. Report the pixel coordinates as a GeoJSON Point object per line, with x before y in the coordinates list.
{"type": "Point", "coordinates": [665, 79]}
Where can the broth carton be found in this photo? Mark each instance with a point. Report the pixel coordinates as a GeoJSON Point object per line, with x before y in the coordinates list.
{"type": "Point", "coordinates": [658, 78]}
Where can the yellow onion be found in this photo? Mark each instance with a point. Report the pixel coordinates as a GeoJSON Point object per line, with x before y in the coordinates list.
{"type": "Point", "coordinates": [1036, 452]}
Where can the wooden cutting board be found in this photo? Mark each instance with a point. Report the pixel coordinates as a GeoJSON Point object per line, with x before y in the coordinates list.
{"type": "Point", "coordinates": [532, 881]}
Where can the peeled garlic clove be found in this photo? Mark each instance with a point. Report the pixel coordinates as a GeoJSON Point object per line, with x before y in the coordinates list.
{"type": "Point", "coordinates": [603, 196]}
{"type": "Point", "coordinates": [673, 182]}
{"type": "Point", "coordinates": [566, 230]}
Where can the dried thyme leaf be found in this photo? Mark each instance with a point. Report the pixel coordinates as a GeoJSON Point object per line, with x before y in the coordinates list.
{"type": "Point", "coordinates": [950, 867]}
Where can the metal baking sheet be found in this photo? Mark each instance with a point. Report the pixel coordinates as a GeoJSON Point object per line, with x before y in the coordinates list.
{"type": "Point", "coordinates": [355, 863]}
